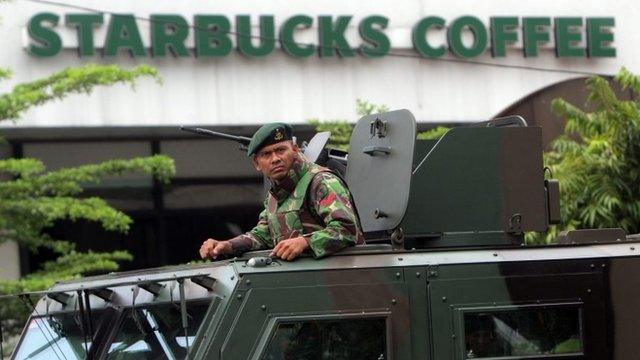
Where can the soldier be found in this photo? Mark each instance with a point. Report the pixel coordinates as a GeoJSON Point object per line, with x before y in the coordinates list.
{"type": "Point", "coordinates": [307, 208]}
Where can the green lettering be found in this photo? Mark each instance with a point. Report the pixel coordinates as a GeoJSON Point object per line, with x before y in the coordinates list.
{"type": "Point", "coordinates": [332, 40]}
{"type": "Point", "coordinates": [502, 33]}
{"type": "Point", "coordinates": [534, 35]}
{"type": "Point", "coordinates": [566, 37]}
{"type": "Point", "coordinates": [169, 32]}
{"type": "Point", "coordinates": [597, 40]}
{"type": "Point", "coordinates": [84, 24]}
{"type": "Point", "coordinates": [245, 38]}
{"type": "Point", "coordinates": [48, 42]}
{"type": "Point", "coordinates": [454, 37]}
{"type": "Point", "coordinates": [375, 36]}
{"type": "Point", "coordinates": [419, 35]}
{"type": "Point", "coordinates": [123, 33]}
{"type": "Point", "coordinates": [212, 35]}
{"type": "Point", "coordinates": [288, 42]}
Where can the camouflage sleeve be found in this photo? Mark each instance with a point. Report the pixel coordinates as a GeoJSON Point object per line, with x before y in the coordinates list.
{"type": "Point", "coordinates": [331, 201]}
{"type": "Point", "coordinates": [258, 238]}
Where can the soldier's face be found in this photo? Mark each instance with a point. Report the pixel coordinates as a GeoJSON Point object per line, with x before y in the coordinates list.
{"type": "Point", "coordinates": [274, 161]}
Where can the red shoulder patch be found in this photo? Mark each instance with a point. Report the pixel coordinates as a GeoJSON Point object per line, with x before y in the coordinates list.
{"type": "Point", "coordinates": [328, 200]}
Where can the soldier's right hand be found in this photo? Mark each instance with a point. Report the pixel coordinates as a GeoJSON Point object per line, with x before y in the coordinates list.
{"type": "Point", "coordinates": [211, 249]}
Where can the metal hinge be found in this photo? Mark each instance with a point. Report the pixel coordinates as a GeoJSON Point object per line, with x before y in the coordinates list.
{"type": "Point", "coordinates": [378, 128]}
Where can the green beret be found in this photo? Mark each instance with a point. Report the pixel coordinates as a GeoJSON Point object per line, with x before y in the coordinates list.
{"type": "Point", "coordinates": [269, 134]}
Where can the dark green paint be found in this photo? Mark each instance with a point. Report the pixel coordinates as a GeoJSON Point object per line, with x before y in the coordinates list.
{"type": "Point", "coordinates": [478, 177]}
{"type": "Point", "coordinates": [212, 35]}
{"type": "Point", "coordinates": [48, 42]}
{"type": "Point", "coordinates": [84, 24]}
{"type": "Point", "coordinates": [422, 296]}
{"type": "Point", "coordinates": [567, 37]}
{"type": "Point", "coordinates": [123, 34]}
{"type": "Point", "coordinates": [288, 41]}
{"type": "Point", "coordinates": [331, 36]}
{"type": "Point", "coordinates": [495, 287]}
{"type": "Point", "coordinates": [321, 293]}
{"type": "Point", "coordinates": [597, 39]}
{"type": "Point", "coordinates": [246, 40]}
{"type": "Point", "coordinates": [370, 29]}
{"type": "Point", "coordinates": [536, 31]}
{"type": "Point", "coordinates": [454, 37]}
{"type": "Point", "coordinates": [416, 278]}
{"type": "Point", "coordinates": [502, 34]}
{"type": "Point", "coordinates": [419, 37]}
{"type": "Point", "coordinates": [168, 33]}
{"type": "Point", "coordinates": [444, 161]}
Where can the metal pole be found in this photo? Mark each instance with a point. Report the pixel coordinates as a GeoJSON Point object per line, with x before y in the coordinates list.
{"type": "Point", "coordinates": [89, 320]}
{"type": "Point", "coordinates": [83, 329]}
{"type": "Point", "coordinates": [183, 311]}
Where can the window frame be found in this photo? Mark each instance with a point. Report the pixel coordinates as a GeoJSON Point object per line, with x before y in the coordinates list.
{"type": "Point", "coordinates": [459, 313]}
{"type": "Point", "coordinates": [122, 311]}
{"type": "Point", "coordinates": [107, 313]}
{"type": "Point", "coordinates": [275, 321]}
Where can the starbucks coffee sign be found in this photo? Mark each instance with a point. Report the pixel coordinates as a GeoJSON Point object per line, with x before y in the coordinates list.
{"type": "Point", "coordinates": [214, 36]}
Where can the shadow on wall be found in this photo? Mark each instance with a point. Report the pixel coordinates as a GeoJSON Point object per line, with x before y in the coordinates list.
{"type": "Point", "coordinates": [536, 107]}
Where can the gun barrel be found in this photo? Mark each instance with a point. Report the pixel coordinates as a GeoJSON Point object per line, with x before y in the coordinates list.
{"type": "Point", "coordinates": [200, 131]}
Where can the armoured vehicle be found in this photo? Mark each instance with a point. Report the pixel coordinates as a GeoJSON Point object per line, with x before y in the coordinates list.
{"type": "Point", "coordinates": [445, 273]}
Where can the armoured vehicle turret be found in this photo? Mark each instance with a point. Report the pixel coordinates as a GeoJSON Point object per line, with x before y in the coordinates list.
{"type": "Point", "coordinates": [445, 273]}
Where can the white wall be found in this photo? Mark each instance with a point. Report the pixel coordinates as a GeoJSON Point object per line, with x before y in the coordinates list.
{"type": "Point", "coordinates": [9, 251]}
{"type": "Point", "coordinates": [237, 90]}
{"type": "Point", "coordinates": [9, 261]}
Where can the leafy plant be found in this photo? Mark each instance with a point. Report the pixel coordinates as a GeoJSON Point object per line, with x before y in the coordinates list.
{"type": "Point", "coordinates": [364, 108]}
{"type": "Point", "coordinates": [433, 134]}
{"type": "Point", "coordinates": [597, 160]}
{"type": "Point", "coordinates": [33, 199]}
{"type": "Point", "coordinates": [340, 132]}
{"type": "Point", "coordinates": [63, 83]}
{"type": "Point", "coordinates": [341, 129]}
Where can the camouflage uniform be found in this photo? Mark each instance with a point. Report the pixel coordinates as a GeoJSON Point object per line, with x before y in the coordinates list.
{"type": "Point", "coordinates": [311, 202]}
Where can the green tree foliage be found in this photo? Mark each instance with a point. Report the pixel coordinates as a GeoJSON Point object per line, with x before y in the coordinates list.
{"type": "Point", "coordinates": [340, 132]}
{"type": "Point", "coordinates": [32, 199]}
{"type": "Point", "coordinates": [433, 134]}
{"type": "Point", "coordinates": [68, 81]}
{"type": "Point", "coordinates": [341, 129]}
{"type": "Point", "coordinates": [597, 160]}
{"type": "Point", "coordinates": [364, 108]}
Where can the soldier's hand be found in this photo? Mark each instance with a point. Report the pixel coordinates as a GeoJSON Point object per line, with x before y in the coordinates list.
{"type": "Point", "coordinates": [211, 249]}
{"type": "Point", "coordinates": [290, 249]}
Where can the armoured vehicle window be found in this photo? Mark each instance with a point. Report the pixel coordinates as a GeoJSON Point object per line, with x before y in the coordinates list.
{"type": "Point", "coordinates": [522, 332]}
{"type": "Point", "coordinates": [55, 337]}
{"type": "Point", "coordinates": [156, 332]}
{"type": "Point", "coordinates": [328, 339]}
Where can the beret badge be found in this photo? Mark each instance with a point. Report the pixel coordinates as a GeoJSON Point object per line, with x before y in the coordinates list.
{"type": "Point", "coordinates": [278, 134]}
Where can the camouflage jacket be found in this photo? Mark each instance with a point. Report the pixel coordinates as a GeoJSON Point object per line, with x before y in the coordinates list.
{"type": "Point", "coordinates": [311, 202]}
